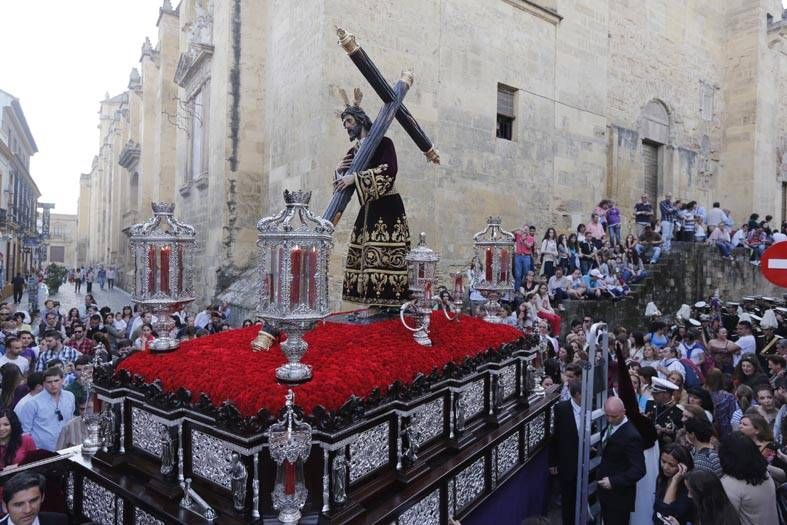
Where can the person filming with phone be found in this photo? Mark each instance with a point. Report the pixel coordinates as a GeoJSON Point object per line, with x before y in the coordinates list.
{"type": "Point", "coordinates": [45, 415]}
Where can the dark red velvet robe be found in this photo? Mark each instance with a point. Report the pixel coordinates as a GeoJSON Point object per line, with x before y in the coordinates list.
{"type": "Point", "coordinates": [376, 270]}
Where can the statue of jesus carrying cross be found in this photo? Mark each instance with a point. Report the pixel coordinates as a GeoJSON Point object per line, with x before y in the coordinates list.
{"type": "Point", "coordinates": [376, 271]}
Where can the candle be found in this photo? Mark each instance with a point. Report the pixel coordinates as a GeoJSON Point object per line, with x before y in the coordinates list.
{"type": "Point", "coordinates": [164, 282]}
{"type": "Point", "coordinates": [459, 285]}
{"type": "Point", "coordinates": [277, 267]}
{"type": "Point", "coordinates": [488, 269]}
{"type": "Point", "coordinates": [295, 275]}
{"type": "Point", "coordinates": [289, 477]}
{"type": "Point", "coordinates": [180, 269]}
{"type": "Point", "coordinates": [312, 278]}
{"type": "Point", "coordinates": [151, 269]}
{"type": "Point", "coordinates": [504, 265]}
{"type": "Point", "coordinates": [428, 291]}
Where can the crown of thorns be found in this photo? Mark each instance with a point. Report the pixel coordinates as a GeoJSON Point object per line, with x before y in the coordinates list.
{"type": "Point", "coordinates": [354, 109]}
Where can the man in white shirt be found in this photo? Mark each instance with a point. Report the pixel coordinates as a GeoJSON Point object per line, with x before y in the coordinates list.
{"type": "Point", "coordinates": [779, 236]}
{"type": "Point", "coordinates": [746, 341]}
{"type": "Point", "coordinates": [740, 236]}
{"type": "Point", "coordinates": [13, 354]}
{"type": "Point", "coordinates": [715, 215]}
{"type": "Point", "coordinates": [203, 318]}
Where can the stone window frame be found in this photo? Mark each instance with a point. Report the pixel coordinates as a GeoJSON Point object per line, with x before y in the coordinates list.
{"type": "Point", "coordinates": [505, 119]}
{"type": "Point", "coordinates": [198, 113]}
{"type": "Point", "coordinates": [707, 100]}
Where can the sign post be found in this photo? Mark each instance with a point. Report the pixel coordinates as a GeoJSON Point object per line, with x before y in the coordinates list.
{"type": "Point", "coordinates": [773, 264]}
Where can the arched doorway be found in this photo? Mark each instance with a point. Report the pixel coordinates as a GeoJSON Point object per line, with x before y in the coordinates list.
{"type": "Point", "coordinates": [655, 132]}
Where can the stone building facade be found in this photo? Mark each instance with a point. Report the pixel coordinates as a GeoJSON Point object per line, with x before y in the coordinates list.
{"type": "Point", "coordinates": [62, 241]}
{"type": "Point", "coordinates": [540, 108]}
{"type": "Point", "coordinates": [18, 191]}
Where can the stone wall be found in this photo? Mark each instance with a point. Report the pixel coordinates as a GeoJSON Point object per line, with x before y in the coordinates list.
{"type": "Point", "coordinates": [690, 273]}
{"type": "Point", "coordinates": [593, 79]}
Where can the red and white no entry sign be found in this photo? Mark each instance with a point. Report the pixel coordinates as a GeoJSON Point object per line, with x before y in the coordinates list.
{"type": "Point", "coordinates": [773, 264]}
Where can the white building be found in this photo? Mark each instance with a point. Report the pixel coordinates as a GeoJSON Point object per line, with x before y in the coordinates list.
{"type": "Point", "coordinates": [18, 191]}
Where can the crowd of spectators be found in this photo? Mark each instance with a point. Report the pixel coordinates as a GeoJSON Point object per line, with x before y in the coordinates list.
{"type": "Point", "coordinates": [709, 400]}
{"type": "Point", "coordinates": [595, 261]}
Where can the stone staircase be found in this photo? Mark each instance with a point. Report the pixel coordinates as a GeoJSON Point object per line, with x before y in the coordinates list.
{"type": "Point", "coordinates": [689, 273]}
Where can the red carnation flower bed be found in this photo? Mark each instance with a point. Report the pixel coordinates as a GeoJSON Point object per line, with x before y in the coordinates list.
{"type": "Point", "coordinates": [346, 359]}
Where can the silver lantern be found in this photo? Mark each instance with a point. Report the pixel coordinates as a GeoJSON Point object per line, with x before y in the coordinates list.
{"type": "Point", "coordinates": [290, 443]}
{"type": "Point", "coordinates": [494, 247]}
{"type": "Point", "coordinates": [422, 280]}
{"type": "Point", "coordinates": [163, 251]}
{"type": "Point", "coordinates": [91, 419]}
{"type": "Point", "coordinates": [295, 246]}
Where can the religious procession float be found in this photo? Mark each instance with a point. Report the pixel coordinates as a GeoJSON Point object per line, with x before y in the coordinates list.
{"type": "Point", "coordinates": [407, 411]}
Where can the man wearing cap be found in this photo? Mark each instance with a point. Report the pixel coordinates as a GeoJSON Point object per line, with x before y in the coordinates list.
{"type": "Point", "coordinates": [667, 417]}
{"type": "Point", "coordinates": [594, 282]}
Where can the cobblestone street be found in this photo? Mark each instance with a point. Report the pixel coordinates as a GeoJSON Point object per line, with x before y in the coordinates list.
{"type": "Point", "coordinates": [115, 298]}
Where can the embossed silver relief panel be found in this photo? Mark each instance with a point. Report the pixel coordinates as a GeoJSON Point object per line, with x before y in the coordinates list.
{"type": "Point", "coordinates": [211, 459]}
{"type": "Point", "coordinates": [145, 431]}
{"type": "Point", "coordinates": [451, 490]}
{"type": "Point", "coordinates": [507, 455]}
{"type": "Point", "coordinates": [508, 377]}
{"type": "Point", "coordinates": [536, 430]}
{"type": "Point", "coordinates": [101, 505]}
{"type": "Point", "coordinates": [470, 484]}
{"type": "Point", "coordinates": [70, 491]}
{"type": "Point", "coordinates": [425, 512]}
{"type": "Point", "coordinates": [472, 399]}
{"type": "Point", "coordinates": [369, 451]}
{"type": "Point", "coordinates": [143, 518]}
{"type": "Point", "coordinates": [428, 420]}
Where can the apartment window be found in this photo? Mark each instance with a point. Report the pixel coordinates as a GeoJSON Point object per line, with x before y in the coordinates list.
{"type": "Point", "coordinates": [198, 136]}
{"type": "Point", "coordinates": [505, 112]}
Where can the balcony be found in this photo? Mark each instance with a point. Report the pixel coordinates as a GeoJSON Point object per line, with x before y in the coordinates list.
{"type": "Point", "coordinates": [129, 155]}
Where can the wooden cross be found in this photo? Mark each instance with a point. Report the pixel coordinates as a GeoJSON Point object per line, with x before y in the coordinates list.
{"type": "Point", "coordinates": [393, 107]}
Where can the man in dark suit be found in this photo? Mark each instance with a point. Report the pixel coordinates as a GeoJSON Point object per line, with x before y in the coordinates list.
{"type": "Point", "coordinates": [564, 447]}
{"type": "Point", "coordinates": [23, 495]}
{"type": "Point", "coordinates": [622, 465]}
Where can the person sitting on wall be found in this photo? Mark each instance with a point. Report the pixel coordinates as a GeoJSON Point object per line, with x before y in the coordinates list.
{"type": "Point", "coordinates": [649, 244]}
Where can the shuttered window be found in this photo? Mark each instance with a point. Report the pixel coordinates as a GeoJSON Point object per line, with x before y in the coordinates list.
{"type": "Point", "coordinates": [505, 112]}
{"type": "Point", "coordinates": [650, 167]}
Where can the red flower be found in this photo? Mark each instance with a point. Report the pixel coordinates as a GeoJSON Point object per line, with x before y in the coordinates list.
{"type": "Point", "coordinates": [346, 359]}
